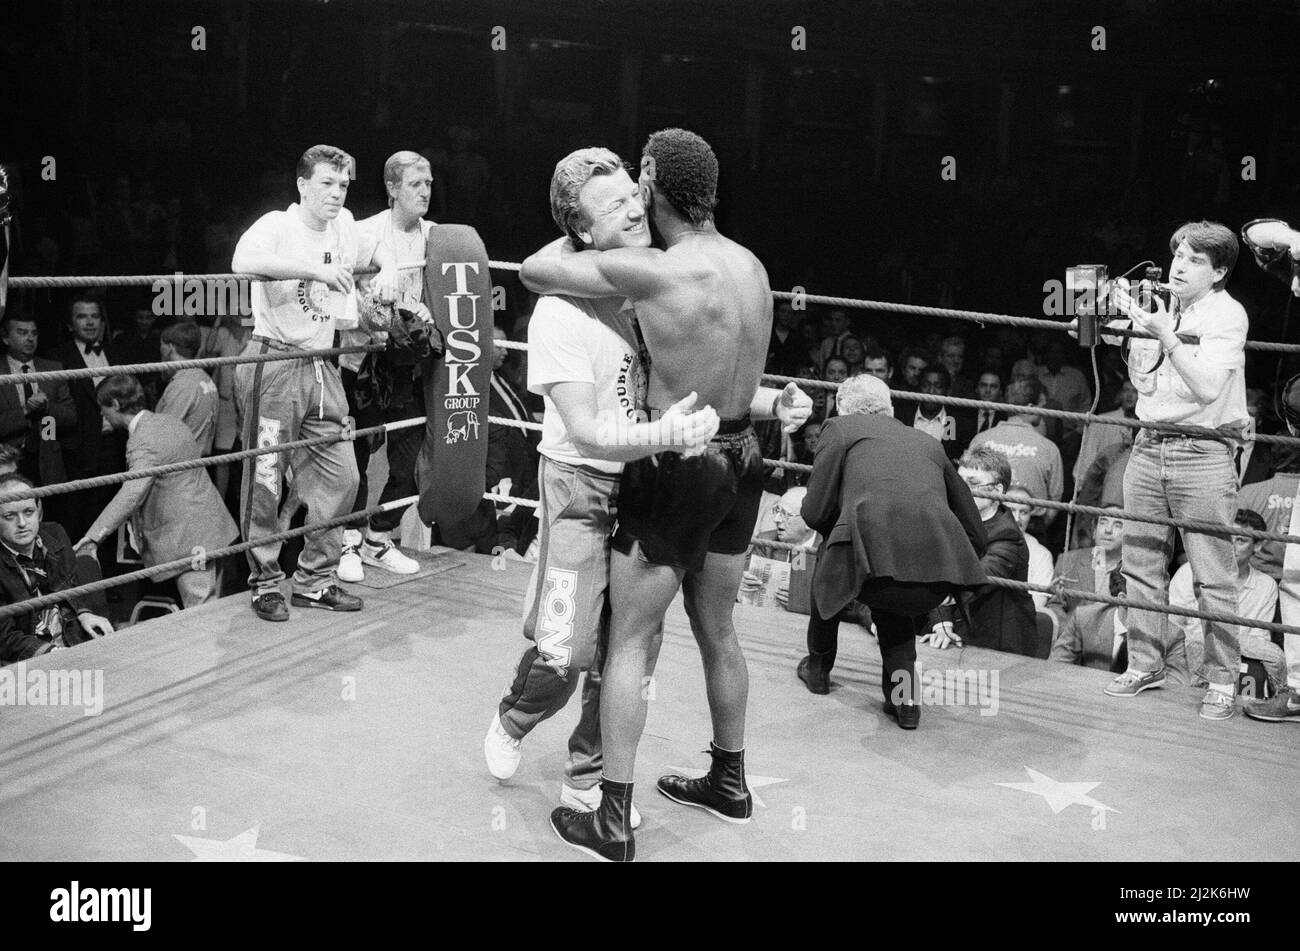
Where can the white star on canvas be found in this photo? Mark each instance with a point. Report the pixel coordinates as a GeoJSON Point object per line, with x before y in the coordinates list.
{"type": "Point", "coordinates": [1059, 795]}
{"type": "Point", "coordinates": [242, 848]}
{"type": "Point", "coordinates": [753, 782]}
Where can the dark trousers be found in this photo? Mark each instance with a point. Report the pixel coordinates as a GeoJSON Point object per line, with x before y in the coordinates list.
{"type": "Point", "coordinates": [899, 609]}
{"type": "Point", "coordinates": [403, 451]}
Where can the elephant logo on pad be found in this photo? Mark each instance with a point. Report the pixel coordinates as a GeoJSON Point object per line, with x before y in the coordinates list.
{"type": "Point", "coordinates": [459, 424]}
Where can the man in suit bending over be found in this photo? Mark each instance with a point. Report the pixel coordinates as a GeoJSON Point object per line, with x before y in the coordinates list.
{"type": "Point", "coordinates": [178, 515]}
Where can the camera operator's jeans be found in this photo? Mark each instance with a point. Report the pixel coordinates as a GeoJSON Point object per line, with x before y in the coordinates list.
{"type": "Point", "coordinates": [1184, 478]}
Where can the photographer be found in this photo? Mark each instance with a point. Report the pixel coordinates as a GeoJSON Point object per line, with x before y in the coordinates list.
{"type": "Point", "coordinates": [1193, 373]}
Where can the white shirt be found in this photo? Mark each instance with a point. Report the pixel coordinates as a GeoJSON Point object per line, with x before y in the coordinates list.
{"type": "Point", "coordinates": [1256, 599]}
{"type": "Point", "coordinates": [584, 341]}
{"type": "Point", "coordinates": [1040, 570]}
{"type": "Point", "coordinates": [933, 427]}
{"type": "Point", "coordinates": [302, 313]}
{"type": "Point", "coordinates": [1164, 397]}
{"type": "Point", "coordinates": [92, 359]}
{"type": "Point", "coordinates": [405, 248]}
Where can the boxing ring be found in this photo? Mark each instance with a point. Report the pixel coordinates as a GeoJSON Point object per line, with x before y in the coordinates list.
{"type": "Point", "coordinates": [359, 736]}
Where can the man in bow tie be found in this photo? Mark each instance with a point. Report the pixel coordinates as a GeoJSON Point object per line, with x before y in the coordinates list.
{"type": "Point", "coordinates": [91, 448]}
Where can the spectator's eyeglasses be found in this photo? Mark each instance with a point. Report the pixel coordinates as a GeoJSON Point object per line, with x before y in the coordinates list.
{"type": "Point", "coordinates": [780, 512]}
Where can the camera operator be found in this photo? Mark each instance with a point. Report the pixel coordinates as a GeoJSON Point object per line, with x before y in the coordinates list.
{"type": "Point", "coordinates": [1192, 373]}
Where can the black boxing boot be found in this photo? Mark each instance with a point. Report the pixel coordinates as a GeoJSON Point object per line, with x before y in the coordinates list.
{"type": "Point", "coordinates": [605, 833]}
{"type": "Point", "coordinates": [722, 792]}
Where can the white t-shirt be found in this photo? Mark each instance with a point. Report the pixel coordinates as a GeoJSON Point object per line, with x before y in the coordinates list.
{"type": "Point", "coordinates": [302, 313]}
{"type": "Point", "coordinates": [1163, 397]}
{"type": "Point", "coordinates": [571, 340]}
{"type": "Point", "coordinates": [405, 249]}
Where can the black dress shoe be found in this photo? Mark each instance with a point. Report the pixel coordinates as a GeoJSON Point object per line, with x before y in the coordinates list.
{"type": "Point", "coordinates": [908, 715]}
{"type": "Point", "coordinates": [815, 680]}
{"type": "Point", "coordinates": [332, 598]}
{"type": "Point", "coordinates": [271, 607]}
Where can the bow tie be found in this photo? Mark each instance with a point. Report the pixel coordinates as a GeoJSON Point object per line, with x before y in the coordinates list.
{"type": "Point", "coordinates": [94, 348]}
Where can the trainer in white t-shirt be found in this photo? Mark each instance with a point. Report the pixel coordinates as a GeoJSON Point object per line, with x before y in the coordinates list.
{"type": "Point", "coordinates": [302, 313]}
{"type": "Point", "coordinates": [571, 340]}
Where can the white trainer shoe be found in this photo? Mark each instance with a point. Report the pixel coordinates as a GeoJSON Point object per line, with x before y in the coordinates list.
{"type": "Point", "coordinates": [588, 800]}
{"type": "Point", "coordinates": [384, 554]}
{"type": "Point", "coordinates": [350, 559]}
{"type": "Point", "coordinates": [501, 750]}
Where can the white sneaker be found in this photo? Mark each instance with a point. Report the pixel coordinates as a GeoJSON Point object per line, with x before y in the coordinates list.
{"type": "Point", "coordinates": [384, 554]}
{"type": "Point", "coordinates": [501, 750]}
{"type": "Point", "coordinates": [350, 559]}
{"type": "Point", "coordinates": [588, 800]}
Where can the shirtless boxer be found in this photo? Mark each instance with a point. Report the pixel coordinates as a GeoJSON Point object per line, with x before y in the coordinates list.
{"type": "Point", "coordinates": [704, 306]}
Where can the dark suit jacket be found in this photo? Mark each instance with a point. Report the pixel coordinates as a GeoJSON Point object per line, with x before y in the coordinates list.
{"type": "Point", "coordinates": [1087, 637]}
{"type": "Point", "coordinates": [19, 429]}
{"type": "Point", "coordinates": [959, 434]}
{"type": "Point", "coordinates": [889, 505]}
{"type": "Point", "coordinates": [785, 357]}
{"type": "Point", "coordinates": [172, 514]}
{"type": "Point", "coordinates": [17, 638]}
{"type": "Point", "coordinates": [81, 450]}
{"type": "Point", "coordinates": [992, 616]}
{"type": "Point", "coordinates": [1074, 567]}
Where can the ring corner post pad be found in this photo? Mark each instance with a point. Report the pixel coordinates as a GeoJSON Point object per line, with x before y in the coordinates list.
{"type": "Point", "coordinates": [452, 466]}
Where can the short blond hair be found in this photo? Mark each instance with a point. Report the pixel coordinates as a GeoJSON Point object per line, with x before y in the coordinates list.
{"type": "Point", "coordinates": [397, 164]}
{"type": "Point", "coordinates": [571, 173]}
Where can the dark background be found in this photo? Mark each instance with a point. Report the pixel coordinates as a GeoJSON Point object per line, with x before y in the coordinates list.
{"type": "Point", "coordinates": [830, 157]}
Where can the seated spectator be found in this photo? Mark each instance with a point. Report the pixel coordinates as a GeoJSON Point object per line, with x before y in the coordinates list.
{"type": "Point", "coordinates": [172, 515]}
{"type": "Point", "coordinates": [24, 407]}
{"type": "Point", "coordinates": [991, 616]}
{"type": "Point", "coordinates": [786, 350]}
{"type": "Point", "coordinates": [140, 343]}
{"type": "Point", "coordinates": [1088, 569]}
{"type": "Point", "coordinates": [766, 581]}
{"type": "Point", "coordinates": [1094, 635]}
{"type": "Point", "coordinates": [853, 353]}
{"type": "Point", "coordinates": [953, 427]}
{"type": "Point", "coordinates": [1102, 486]}
{"type": "Point", "coordinates": [1035, 461]}
{"type": "Point", "coordinates": [911, 364]}
{"type": "Point", "coordinates": [1255, 462]}
{"type": "Point", "coordinates": [1063, 383]}
{"type": "Point", "coordinates": [902, 533]}
{"type": "Point", "coordinates": [1256, 599]}
{"type": "Point", "coordinates": [952, 357]}
{"type": "Point", "coordinates": [988, 388]}
{"type": "Point", "coordinates": [837, 371]}
{"type": "Point", "coordinates": [805, 442]}
{"type": "Point", "coordinates": [190, 395]}
{"type": "Point", "coordinates": [876, 361]}
{"type": "Point", "coordinates": [1040, 559]}
{"type": "Point", "coordinates": [36, 558]}
{"type": "Point", "coordinates": [1098, 438]}
{"type": "Point", "coordinates": [1048, 427]}
{"type": "Point", "coordinates": [1274, 499]}
{"type": "Point", "coordinates": [837, 331]}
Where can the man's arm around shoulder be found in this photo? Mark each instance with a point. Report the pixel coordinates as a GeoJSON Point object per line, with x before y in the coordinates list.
{"type": "Point", "coordinates": [636, 273]}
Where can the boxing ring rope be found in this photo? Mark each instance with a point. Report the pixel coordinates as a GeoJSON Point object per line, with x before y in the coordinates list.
{"type": "Point", "coordinates": [946, 313]}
